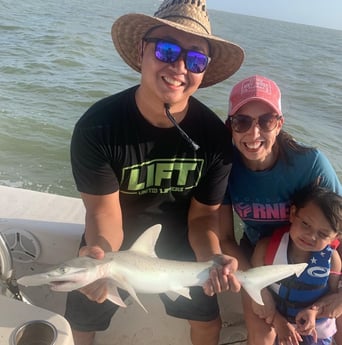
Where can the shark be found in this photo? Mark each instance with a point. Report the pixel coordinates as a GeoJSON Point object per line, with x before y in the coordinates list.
{"type": "Point", "coordinates": [139, 270]}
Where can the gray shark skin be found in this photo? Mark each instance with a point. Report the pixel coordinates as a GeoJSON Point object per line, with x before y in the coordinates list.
{"type": "Point", "coordinates": [139, 270]}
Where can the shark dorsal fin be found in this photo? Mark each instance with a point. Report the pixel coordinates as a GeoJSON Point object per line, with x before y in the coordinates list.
{"type": "Point", "coordinates": [147, 240]}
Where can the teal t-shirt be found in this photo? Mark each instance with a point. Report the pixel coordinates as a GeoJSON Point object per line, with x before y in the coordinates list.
{"type": "Point", "coordinates": [262, 198]}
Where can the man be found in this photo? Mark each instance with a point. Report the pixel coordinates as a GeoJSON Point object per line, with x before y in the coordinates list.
{"type": "Point", "coordinates": [154, 154]}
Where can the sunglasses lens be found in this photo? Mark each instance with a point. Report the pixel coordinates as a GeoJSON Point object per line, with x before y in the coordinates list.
{"type": "Point", "coordinates": [241, 123]}
{"type": "Point", "coordinates": [167, 52]}
{"type": "Point", "coordinates": [267, 122]}
{"type": "Point", "coordinates": [196, 62]}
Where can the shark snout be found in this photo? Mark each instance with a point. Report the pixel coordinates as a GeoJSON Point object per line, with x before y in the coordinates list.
{"type": "Point", "coordinates": [59, 277]}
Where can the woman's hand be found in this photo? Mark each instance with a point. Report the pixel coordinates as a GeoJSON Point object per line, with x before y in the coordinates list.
{"type": "Point", "coordinates": [286, 333]}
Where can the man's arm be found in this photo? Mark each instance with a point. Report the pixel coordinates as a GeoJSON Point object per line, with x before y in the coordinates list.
{"type": "Point", "coordinates": [204, 240]}
{"type": "Point", "coordinates": [103, 233]}
{"type": "Point", "coordinates": [227, 237]}
{"type": "Point", "coordinates": [203, 230]}
{"type": "Point", "coordinates": [103, 223]}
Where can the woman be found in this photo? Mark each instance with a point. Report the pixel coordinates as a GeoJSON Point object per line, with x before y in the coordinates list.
{"type": "Point", "coordinates": [269, 166]}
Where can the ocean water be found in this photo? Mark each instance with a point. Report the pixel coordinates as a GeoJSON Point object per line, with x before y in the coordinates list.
{"type": "Point", "coordinates": [57, 58]}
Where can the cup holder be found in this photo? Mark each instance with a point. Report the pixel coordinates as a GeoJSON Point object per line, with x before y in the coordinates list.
{"type": "Point", "coordinates": [37, 332]}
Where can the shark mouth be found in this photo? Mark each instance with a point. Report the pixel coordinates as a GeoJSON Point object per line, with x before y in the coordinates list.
{"type": "Point", "coordinates": [64, 285]}
{"type": "Point", "coordinates": [60, 282]}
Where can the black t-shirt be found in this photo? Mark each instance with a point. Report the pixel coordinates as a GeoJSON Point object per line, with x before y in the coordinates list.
{"type": "Point", "coordinates": [157, 172]}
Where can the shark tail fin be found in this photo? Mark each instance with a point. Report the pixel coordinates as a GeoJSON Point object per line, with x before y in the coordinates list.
{"type": "Point", "coordinates": [254, 292]}
{"type": "Point", "coordinates": [257, 278]}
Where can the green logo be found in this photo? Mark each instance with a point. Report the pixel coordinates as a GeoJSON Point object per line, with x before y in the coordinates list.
{"type": "Point", "coordinates": [161, 176]}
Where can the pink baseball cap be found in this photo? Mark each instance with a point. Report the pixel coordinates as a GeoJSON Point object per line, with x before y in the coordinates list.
{"type": "Point", "coordinates": [253, 88]}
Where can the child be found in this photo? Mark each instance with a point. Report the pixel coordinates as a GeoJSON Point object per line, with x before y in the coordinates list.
{"type": "Point", "coordinates": [316, 225]}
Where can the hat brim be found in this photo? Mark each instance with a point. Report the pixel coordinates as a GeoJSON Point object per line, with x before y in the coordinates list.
{"type": "Point", "coordinates": [129, 30]}
{"type": "Point", "coordinates": [255, 98]}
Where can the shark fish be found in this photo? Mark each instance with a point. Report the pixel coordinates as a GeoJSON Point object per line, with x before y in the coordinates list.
{"type": "Point", "coordinates": [139, 270]}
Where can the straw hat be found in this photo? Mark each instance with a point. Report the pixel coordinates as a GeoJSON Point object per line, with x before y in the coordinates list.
{"type": "Point", "coordinates": [188, 16]}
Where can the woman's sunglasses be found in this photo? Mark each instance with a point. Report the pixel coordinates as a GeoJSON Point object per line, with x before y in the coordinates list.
{"type": "Point", "coordinates": [169, 52]}
{"type": "Point", "coordinates": [242, 123]}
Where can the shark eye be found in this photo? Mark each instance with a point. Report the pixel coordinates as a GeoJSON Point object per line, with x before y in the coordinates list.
{"type": "Point", "coordinates": [63, 269]}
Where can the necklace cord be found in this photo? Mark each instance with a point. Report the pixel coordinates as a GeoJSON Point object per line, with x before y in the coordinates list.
{"type": "Point", "coordinates": [180, 130]}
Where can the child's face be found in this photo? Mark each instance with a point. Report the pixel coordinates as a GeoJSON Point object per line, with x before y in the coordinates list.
{"type": "Point", "coordinates": [310, 230]}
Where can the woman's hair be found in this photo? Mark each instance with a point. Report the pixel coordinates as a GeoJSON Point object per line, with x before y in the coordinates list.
{"type": "Point", "coordinates": [286, 141]}
{"type": "Point", "coordinates": [329, 202]}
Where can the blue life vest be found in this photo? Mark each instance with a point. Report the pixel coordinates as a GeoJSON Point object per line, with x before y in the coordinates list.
{"type": "Point", "coordinates": [295, 293]}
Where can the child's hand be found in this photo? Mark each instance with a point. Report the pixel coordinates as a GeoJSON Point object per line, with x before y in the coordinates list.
{"type": "Point", "coordinates": [306, 322]}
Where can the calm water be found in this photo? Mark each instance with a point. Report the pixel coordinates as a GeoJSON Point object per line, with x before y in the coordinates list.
{"type": "Point", "coordinates": [57, 58]}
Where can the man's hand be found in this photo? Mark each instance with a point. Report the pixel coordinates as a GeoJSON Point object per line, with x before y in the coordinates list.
{"type": "Point", "coordinates": [98, 290]}
{"type": "Point", "coordinates": [94, 252]}
{"type": "Point", "coordinates": [222, 276]}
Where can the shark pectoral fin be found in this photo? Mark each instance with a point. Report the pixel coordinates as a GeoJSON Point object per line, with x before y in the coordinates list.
{"type": "Point", "coordinates": [254, 292]}
{"type": "Point", "coordinates": [116, 300]}
{"type": "Point", "coordinates": [125, 286]}
{"type": "Point", "coordinates": [173, 295]}
{"type": "Point", "coordinates": [113, 295]}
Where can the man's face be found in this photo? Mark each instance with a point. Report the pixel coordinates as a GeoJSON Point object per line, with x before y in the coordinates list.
{"type": "Point", "coordinates": [167, 82]}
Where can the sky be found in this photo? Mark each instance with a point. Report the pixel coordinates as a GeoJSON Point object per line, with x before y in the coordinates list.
{"type": "Point", "coordinates": [325, 13]}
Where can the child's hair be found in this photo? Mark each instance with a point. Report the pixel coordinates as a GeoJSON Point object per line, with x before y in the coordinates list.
{"type": "Point", "coordinates": [328, 201]}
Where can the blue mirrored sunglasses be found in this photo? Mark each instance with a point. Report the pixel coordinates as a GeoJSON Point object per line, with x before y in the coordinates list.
{"type": "Point", "coordinates": [169, 52]}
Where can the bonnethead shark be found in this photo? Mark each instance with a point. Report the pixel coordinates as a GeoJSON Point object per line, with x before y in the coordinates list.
{"type": "Point", "coordinates": [139, 270]}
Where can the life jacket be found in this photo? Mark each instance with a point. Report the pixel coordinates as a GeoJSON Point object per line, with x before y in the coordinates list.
{"type": "Point", "coordinates": [294, 293]}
